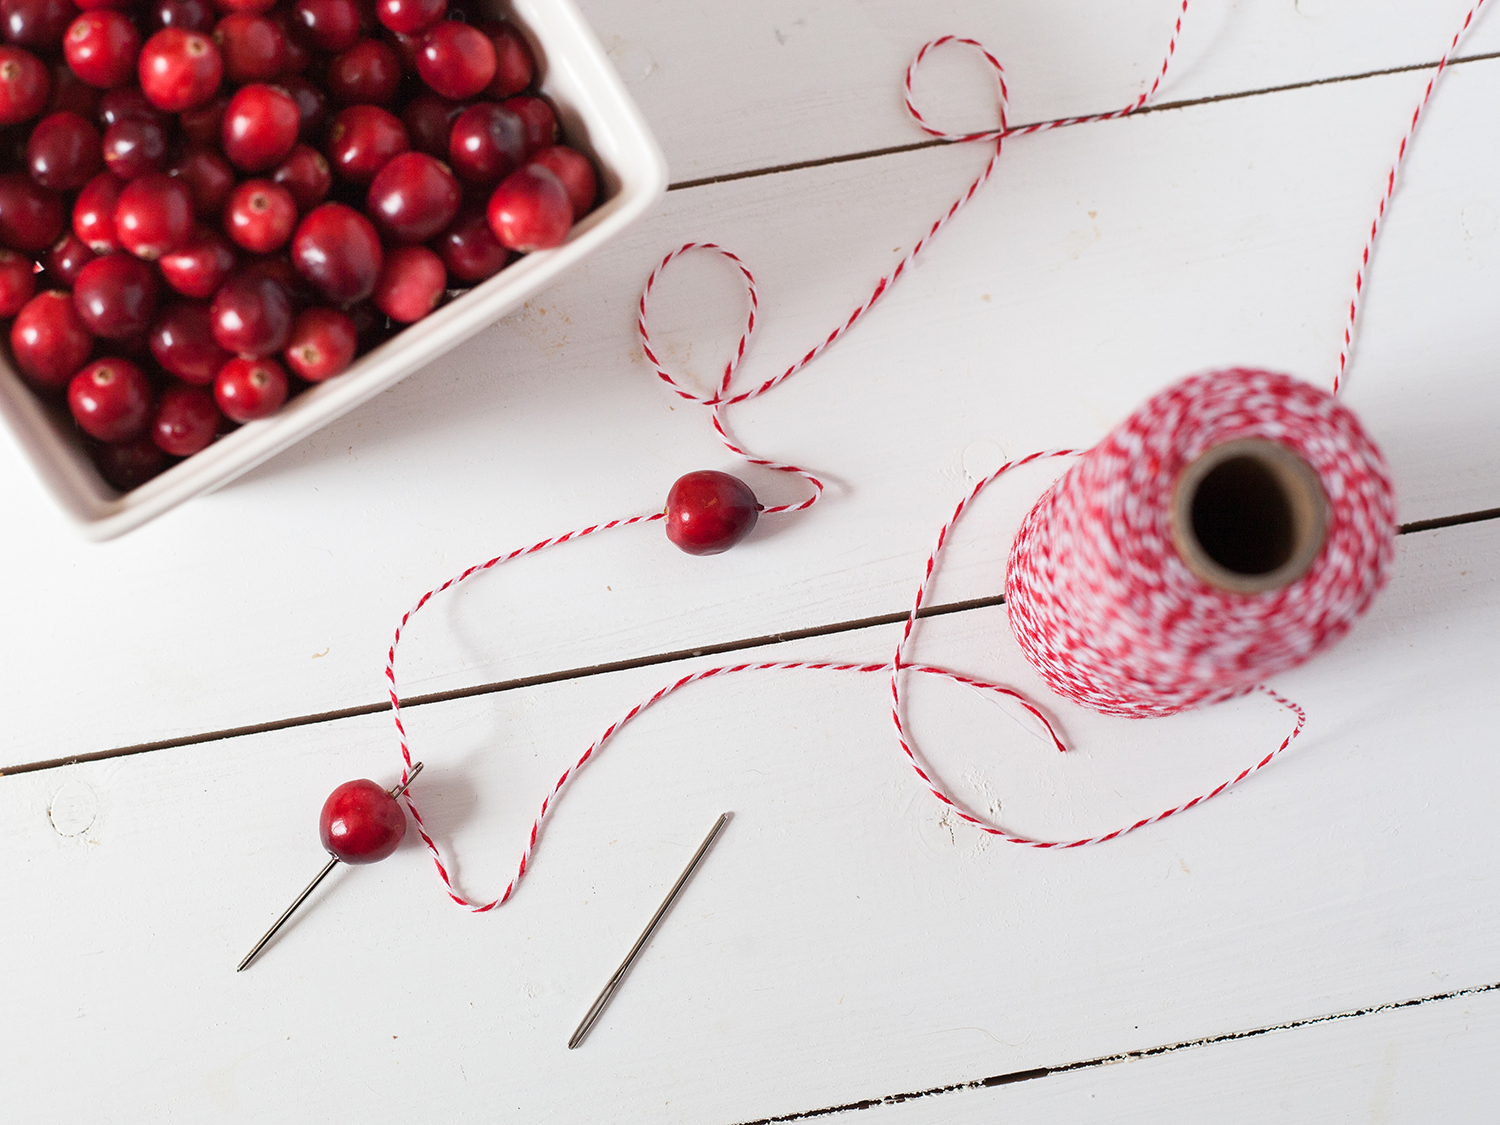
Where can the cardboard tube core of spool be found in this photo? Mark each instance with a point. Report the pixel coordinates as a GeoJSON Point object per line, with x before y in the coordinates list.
{"type": "Point", "coordinates": [1249, 516]}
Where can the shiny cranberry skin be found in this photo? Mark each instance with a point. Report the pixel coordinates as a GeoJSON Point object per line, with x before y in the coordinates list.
{"type": "Point", "coordinates": [514, 67]}
{"type": "Point", "coordinates": [299, 55]}
{"type": "Point", "coordinates": [49, 340]}
{"type": "Point", "coordinates": [247, 388]}
{"type": "Point", "coordinates": [709, 512]}
{"type": "Point", "coordinates": [63, 153]}
{"type": "Point", "coordinates": [154, 215]}
{"type": "Point", "coordinates": [409, 16]}
{"type": "Point", "coordinates": [411, 284]}
{"type": "Point", "coordinates": [252, 316]}
{"type": "Point", "coordinates": [101, 46]}
{"type": "Point", "coordinates": [487, 143]}
{"type": "Point", "coordinates": [260, 127]}
{"type": "Point", "coordinates": [31, 217]}
{"type": "Point", "coordinates": [129, 464]}
{"type": "Point", "coordinates": [322, 345]}
{"type": "Point", "coordinates": [205, 124]}
{"type": "Point", "coordinates": [182, 341]}
{"type": "Point", "coordinates": [413, 197]}
{"type": "Point", "coordinates": [17, 282]}
{"type": "Point", "coordinates": [575, 171]}
{"type": "Point", "coordinates": [180, 69]}
{"type": "Point", "coordinates": [362, 139]}
{"type": "Point", "coordinates": [116, 296]}
{"type": "Point", "coordinates": [361, 823]}
{"type": "Point", "coordinates": [456, 60]}
{"type": "Point", "coordinates": [328, 25]}
{"type": "Point", "coordinates": [260, 216]}
{"type": "Point", "coordinates": [208, 177]}
{"type": "Point", "coordinates": [71, 93]}
{"type": "Point", "coordinates": [253, 47]}
{"type": "Point", "coordinates": [530, 210]}
{"type": "Point", "coordinates": [127, 103]}
{"type": "Point", "coordinates": [306, 175]}
{"type": "Point", "coordinates": [110, 400]}
{"type": "Point", "coordinates": [188, 15]}
{"type": "Point", "coordinates": [312, 104]}
{"type": "Point", "coordinates": [94, 212]}
{"type": "Point", "coordinates": [429, 120]}
{"type": "Point", "coordinates": [538, 117]}
{"type": "Point", "coordinates": [133, 148]}
{"type": "Point", "coordinates": [66, 259]}
{"type": "Point", "coordinates": [200, 265]}
{"type": "Point", "coordinates": [337, 250]}
{"type": "Point", "coordinates": [469, 249]}
{"type": "Point", "coordinates": [368, 73]}
{"type": "Point", "coordinates": [186, 420]}
{"type": "Point", "coordinates": [37, 25]}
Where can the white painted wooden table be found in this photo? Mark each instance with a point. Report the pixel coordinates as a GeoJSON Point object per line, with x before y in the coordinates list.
{"type": "Point", "coordinates": [1318, 945]}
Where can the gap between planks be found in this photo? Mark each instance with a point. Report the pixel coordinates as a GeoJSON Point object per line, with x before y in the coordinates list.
{"type": "Point", "coordinates": [597, 669]}
{"type": "Point", "coordinates": [1207, 99]}
{"type": "Point", "coordinates": [1125, 1056]}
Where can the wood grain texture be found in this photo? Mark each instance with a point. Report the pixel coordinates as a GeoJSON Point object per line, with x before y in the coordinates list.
{"type": "Point", "coordinates": [846, 939]}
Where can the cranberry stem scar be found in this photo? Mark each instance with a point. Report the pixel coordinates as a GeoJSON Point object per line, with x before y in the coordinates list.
{"type": "Point", "coordinates": [300, 899]}
{"type": "Point", "coordinates": [640, 943]}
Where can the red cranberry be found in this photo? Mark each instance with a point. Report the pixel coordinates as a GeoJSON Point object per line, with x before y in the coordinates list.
{"type": "Point", "coordinates": [361, 823]}
{"type": "Point", "coordinates": [299, 55]}
{"type": "Point", "coordinates": [411, 284]}
{"type": "Point", "coordinates": [329, 25]}
{"type": "Point", "coordinates": [312, 104]}
{"type": "Point", "coordinates": [205, 124]}
{"type": "Point", "coordinates": [253, 7]}
{"type": "Point", "coordinates": [247, 389]}
{"type": "Point", "coordinates": [186, 421]}
{"type": "Point", "coordinates": [280, 270]}
{"type": "Point", "coordinates": [134, 147]}
{"type": "Point", "coordinates": [101, 46]}
{"type": "Point", "coordinates": [180, 69]}
{"type": "Point", "coordinates": [31, 217]}
{"type": "Point", "coordinates": [208, 177]}
{"type": "Point", "coordinates": [306, 175]}
{"type": "Point", "coordinates": [154, 215]}
{"type": "Point", "coordinates": [66, 259]}
{"type": "Point", "coordinates": [530, 210]}
{"type": "Point", "coordinates": [110, 400]}
{"type": "Point", "coordinates": [469, 249]}
{"type": "Point", "coordinates": [323, 343]}
{"type": "Point", "coordinates": [338, 252]}
{"type": "Point", "coordinates": [366, 74]}
{"type": "Point", "coordinates": [538, 117]}
{"type": "Point", "coordinates": [252, 316]}
{"type": "Point", "coordinates": [182, 340]}
{"type": "Point", "coordinates": [487, 143]}
{"type": "Point", "coordinates": [428, 120]}
{"type": "Point", "coordinates": [37, 25]}
{"type": "Point", "coordinates": [117, 5]}
{"type": "Point", "coordinates": [513, 63]}
{"type": "Point", "coordinates": [709, 512]}
{"type": "Point", "coordinates": [200, 265]}
{"type": "Point", "coordinates": [24, 85]}
{"type": "Point", "coordinates": [260, 127]}
{"type": "Point", "coordinates": [409, 16]}
{"type": "Point", "coordinates": [188, 15]}
{"type": "Point", "coordinates": [94, 212]}
{"type": "Point", "coordinates": [362, 139]}
{"type": "Point", "coordinates": [17, 282]}
{"type": "Point", "coordinates": [116, 296]}
{"type": "Point", "coordinates": [129, 464]}
{"type": "Point", "coordinates": [456, 60]}
{"type": "Point", "coordinates": [49, 340]}
{"type": "Point", "coordinates": [63, 153]}
{"type": "Point", "coordinates": [260, 216]}
{"type": "Point", "coordinates": [71, 93]}
{"type": "Point", "coordinates": [406, 47]}
{"type": "Point", "coordinates": [576, 173]}
{"type": "Point", "coordinates": [413, 197]}
{"type": "Point", "coordinates": [127, 103]}
{"type": "Point", "coordinates": [253, 47]}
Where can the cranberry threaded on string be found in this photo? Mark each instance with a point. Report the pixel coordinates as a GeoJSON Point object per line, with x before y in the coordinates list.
{"type": "Point", "coordinates": [360, 823]}
{"type": "Point", "coordinates": [709, 512]}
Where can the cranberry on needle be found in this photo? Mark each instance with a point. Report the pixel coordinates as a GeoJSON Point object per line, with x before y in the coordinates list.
{"type": "Point", "coordinates": [362, 841]}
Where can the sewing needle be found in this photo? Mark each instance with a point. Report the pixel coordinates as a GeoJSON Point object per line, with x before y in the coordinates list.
{"type": "Point", "coordinates": [640, 943]}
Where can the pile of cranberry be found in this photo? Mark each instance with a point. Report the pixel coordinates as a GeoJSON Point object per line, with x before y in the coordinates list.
{"type": "Point", "coordinates": [206, 203]}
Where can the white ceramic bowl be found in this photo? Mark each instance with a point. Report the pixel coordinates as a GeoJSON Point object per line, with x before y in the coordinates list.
{"type": "Point", "coordinates": [597, 116]}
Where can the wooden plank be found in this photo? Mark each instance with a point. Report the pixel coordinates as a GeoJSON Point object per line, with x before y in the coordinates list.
{"type": "Point", "coordinates": [1101, 263]}
{"type": "Point", "coordinates": [776, 82]}
{"type": "Point", "coordinates": [845, 940]}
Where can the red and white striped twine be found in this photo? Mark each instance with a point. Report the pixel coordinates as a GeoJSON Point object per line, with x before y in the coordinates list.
{"type": "Point", "coordinates": [1086, 491]}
